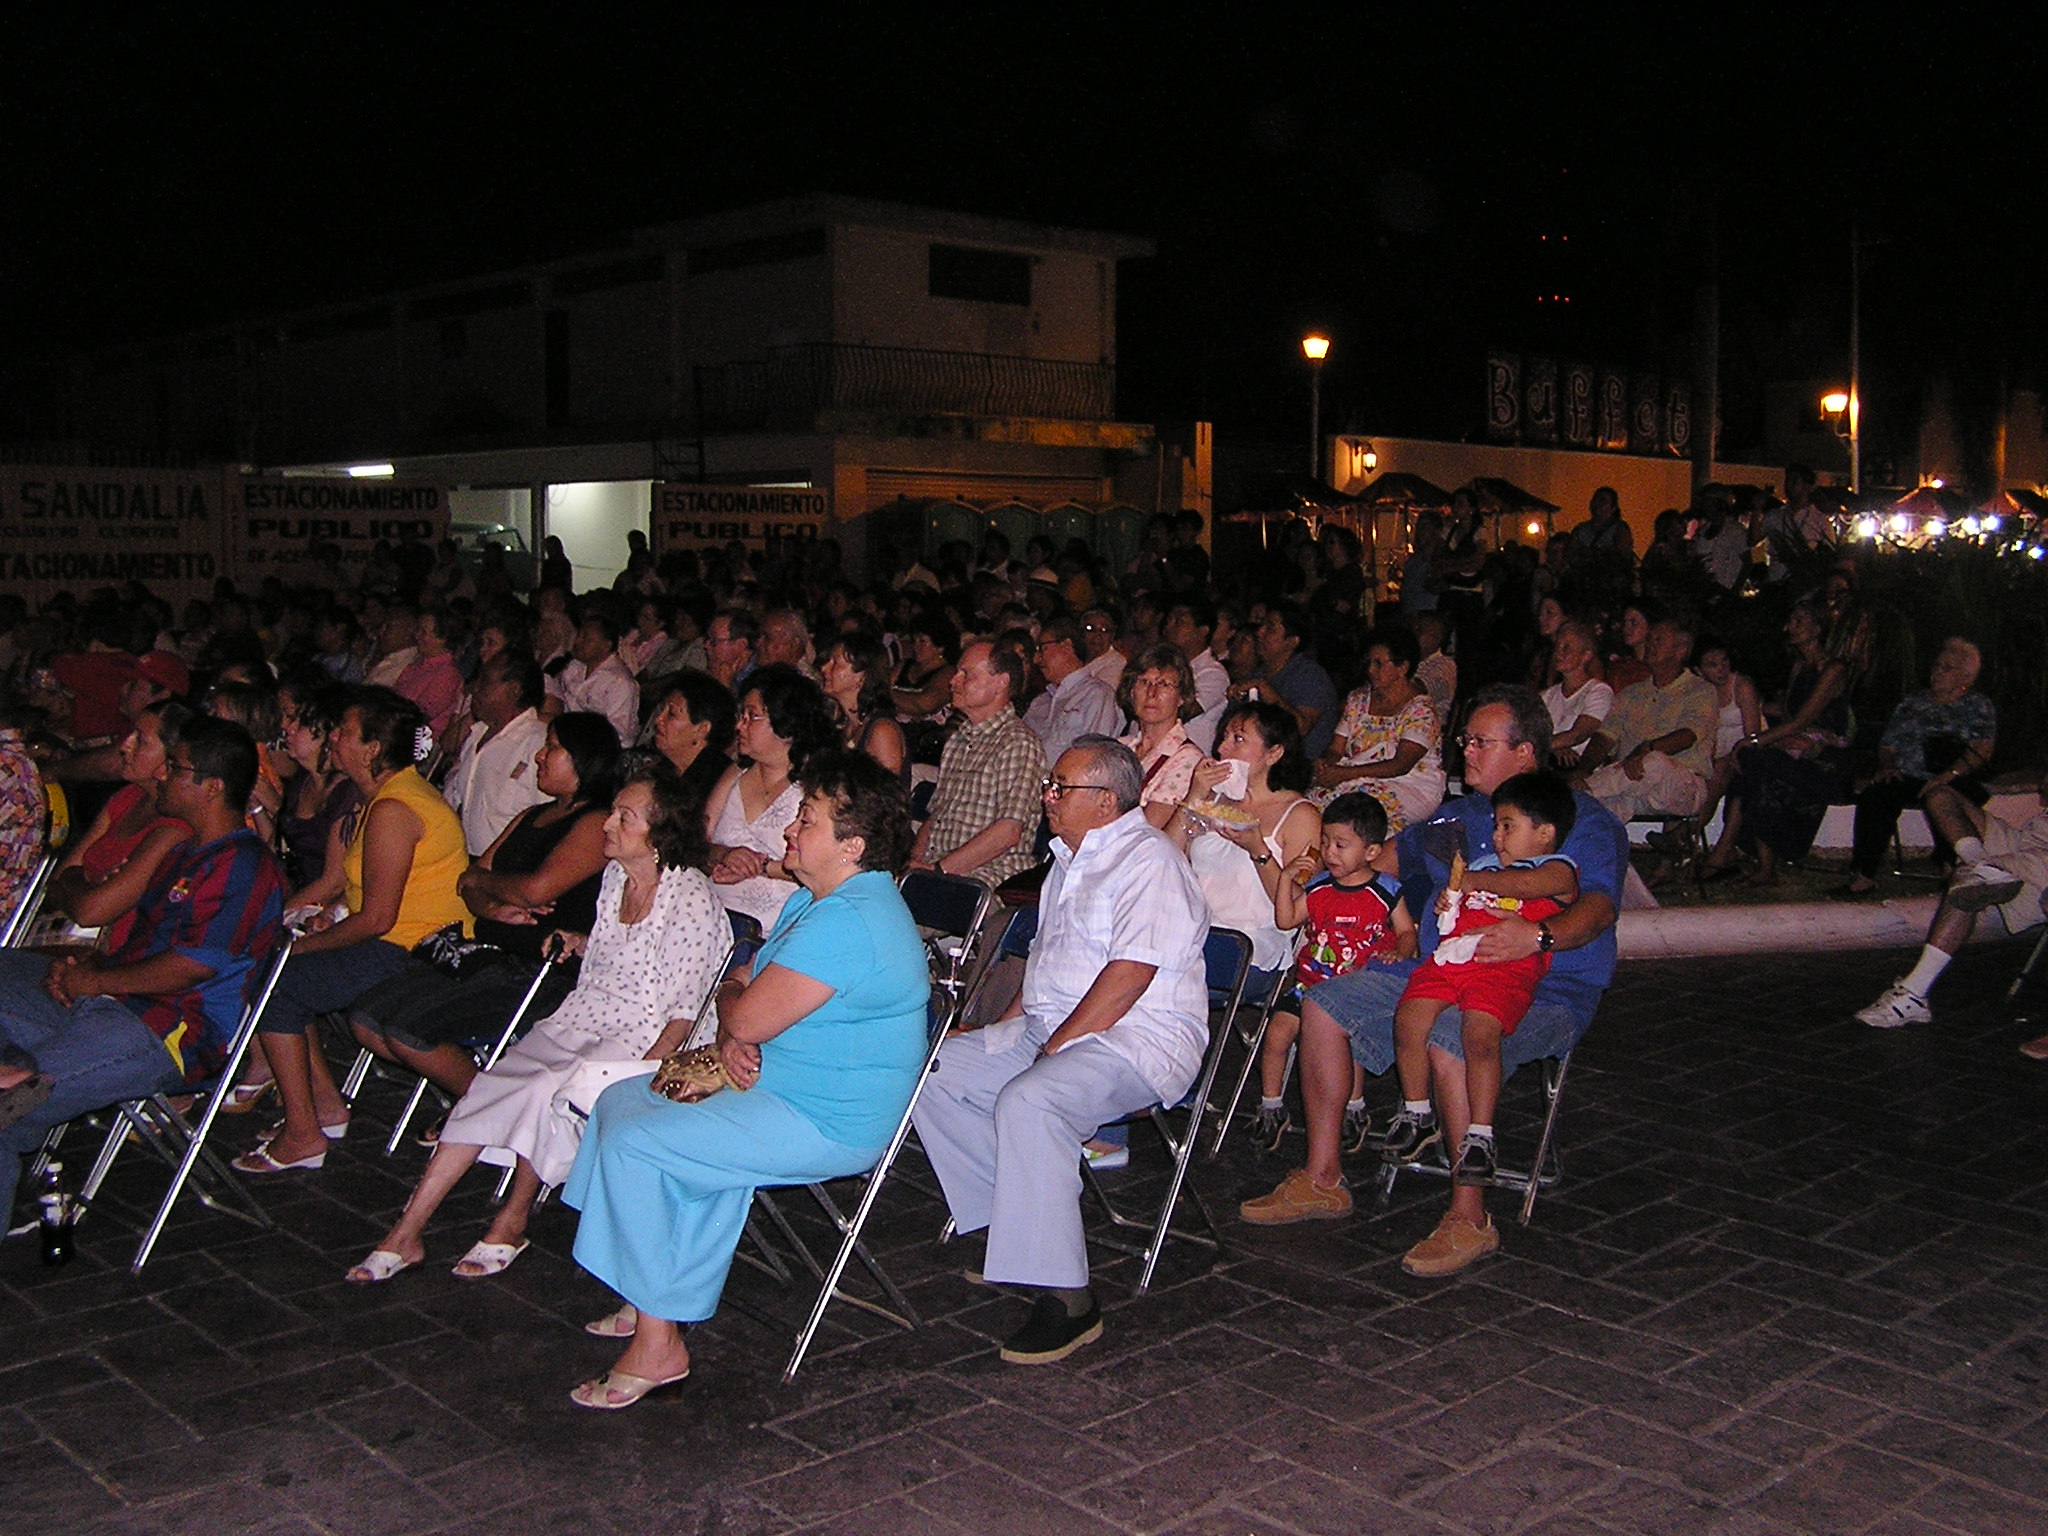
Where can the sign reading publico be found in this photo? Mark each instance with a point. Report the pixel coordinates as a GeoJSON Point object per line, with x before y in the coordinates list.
{"type": "Point", "coordinates": [279, 523]}
{"type": "Point", "coordinates": [711, 516]}
{"type": "Point", "coordinates": [77, 527]}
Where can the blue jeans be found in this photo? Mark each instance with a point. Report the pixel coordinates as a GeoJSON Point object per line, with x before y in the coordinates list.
{"type": "Point", "coordinates": [1363, 1005]}
{"type": "Point", "coordinates": [98, 1052]}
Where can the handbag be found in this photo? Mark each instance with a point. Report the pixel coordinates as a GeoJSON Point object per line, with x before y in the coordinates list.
{"type": "Point", "coordinates": [448, 952]}
{"type": "Point", "coordinates": [688, 1077]}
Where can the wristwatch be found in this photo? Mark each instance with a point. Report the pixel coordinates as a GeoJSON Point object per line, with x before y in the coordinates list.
{"type": "Point", "coordinates": [1546, 941]}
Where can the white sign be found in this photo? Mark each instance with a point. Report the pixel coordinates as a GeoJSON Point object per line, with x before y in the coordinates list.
{"type": "Point", "coordinates": [69, 528]}
{"type": "Point", "coordinates": [280, 525]}
{"type": "Point", "coordinates": [712, 516]}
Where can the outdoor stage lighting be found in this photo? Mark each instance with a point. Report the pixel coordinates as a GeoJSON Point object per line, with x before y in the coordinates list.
{"type": "Point", "coordinates": [1866, 527]}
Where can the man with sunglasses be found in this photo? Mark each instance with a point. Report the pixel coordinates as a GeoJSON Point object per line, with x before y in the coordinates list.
{"type": "Point", "coordinates": [1352, 1017]}
{"type": "Point", "coordinates": [157, 1014]}
{"type": "Point", "coordinates": [1112, 1019]}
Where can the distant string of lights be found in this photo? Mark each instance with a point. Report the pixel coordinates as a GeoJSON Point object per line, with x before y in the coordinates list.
{"type": "Point", "coordinates": [1911, 530]}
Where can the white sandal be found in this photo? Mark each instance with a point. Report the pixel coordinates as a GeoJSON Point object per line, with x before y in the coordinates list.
{"type": "Point", "coordinates": [489, 1259]}
{"type": "Point", "coordinates": [615, 1325]}
{"type": "Point", "coordinates": [381, 1265]}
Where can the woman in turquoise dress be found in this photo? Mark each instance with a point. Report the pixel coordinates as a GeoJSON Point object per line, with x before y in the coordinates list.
{"type": "Point", "coordinates": [823, 1041]}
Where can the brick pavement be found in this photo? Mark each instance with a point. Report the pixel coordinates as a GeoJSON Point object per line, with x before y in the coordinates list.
{"type": "Point", "coordinates": [1791, 1284]}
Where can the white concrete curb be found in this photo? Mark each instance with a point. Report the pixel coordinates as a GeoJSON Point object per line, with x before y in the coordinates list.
{"type": "Point", "coordinates": [1781, 928]}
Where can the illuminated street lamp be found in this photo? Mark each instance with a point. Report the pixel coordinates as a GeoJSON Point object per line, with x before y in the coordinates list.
{"type": "Point", "coordinates": [1842, 408]}
{"type": "Point", "coordinates": [1315, 347]}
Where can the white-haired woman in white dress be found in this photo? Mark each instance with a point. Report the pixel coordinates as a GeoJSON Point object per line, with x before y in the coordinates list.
{"type": "Point", "coordinates": [649, 966]}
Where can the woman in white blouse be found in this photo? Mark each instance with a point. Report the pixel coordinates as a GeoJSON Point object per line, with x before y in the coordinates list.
{"type": "Point", "coordinates": [1158, 696]}
{"type": "Point", "coordinates": [648, 966]}
{"type": "Point", "coordinates": [1579, 701]}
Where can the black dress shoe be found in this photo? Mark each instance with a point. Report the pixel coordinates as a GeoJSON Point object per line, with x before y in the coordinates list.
{"type": "Point", "coordinates": [1051, 1334]}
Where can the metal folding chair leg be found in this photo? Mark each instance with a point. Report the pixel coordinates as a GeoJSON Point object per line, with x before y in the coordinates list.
{"type": "Point", "coordinates": [1543, 1172]}
{"type": "Point", "coordinates": [358, 1074]}
{"type": "Point", "coordinates": [1254, 1045]}
{"type": "Point", "coordinates": [2034, 959]}
{"type": "Point", "coordinates": [26, 910]}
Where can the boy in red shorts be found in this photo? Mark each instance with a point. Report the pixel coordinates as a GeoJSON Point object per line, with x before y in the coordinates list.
{"type": "Point", "coordinates": [1528, 878]}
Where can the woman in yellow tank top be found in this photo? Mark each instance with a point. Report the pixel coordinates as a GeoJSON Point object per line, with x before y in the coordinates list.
{"type": "Point", "coordinates": [396, 876]}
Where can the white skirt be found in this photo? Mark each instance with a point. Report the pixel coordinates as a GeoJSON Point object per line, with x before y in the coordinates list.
{"type": "Point", "coordinates": [521, 1106]}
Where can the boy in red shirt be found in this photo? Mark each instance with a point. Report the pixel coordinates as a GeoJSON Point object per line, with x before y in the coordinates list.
{"type": "Point", "coordinates": [1348, 915]}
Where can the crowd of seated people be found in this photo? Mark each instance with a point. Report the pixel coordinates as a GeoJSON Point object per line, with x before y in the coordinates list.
{"type": "Point", "coordinates": [446, 790]}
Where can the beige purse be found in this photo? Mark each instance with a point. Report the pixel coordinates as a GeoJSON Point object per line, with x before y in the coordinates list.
{"type": "Point", "coordinates": [687, 1077]}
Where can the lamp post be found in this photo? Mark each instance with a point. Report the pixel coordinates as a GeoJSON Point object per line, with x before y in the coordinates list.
{"type": "Point", "coordinates": [1315, 347]}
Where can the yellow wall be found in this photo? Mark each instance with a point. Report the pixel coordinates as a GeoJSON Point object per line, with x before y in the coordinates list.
{"type": "Point", "coordinates": [1567, 477]}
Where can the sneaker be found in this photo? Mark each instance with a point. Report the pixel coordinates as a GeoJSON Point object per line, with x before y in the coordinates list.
{"type": "Point", "coordinates": [1299, 1198]}
{"type": "Point", "coordinates": [1107, 1159]}
{"type": "Point", "coordinates": [1454, 1244]}
{"type": "Point", "coordinates": [1897, 1007]}
{"type": "Point", "coordinates": [1050, 1334]}
{"type": "Point", "coordinates": [1357, 1129]}
{"type": "Point", "coordinates": [1407, 1136]}
{"type": "Point", "coordinates": [1983, 885]}
{"type": "Point", "coordinates": [1271, 1126]}
{"type": "Point", "coordinates": [1476, 1163]}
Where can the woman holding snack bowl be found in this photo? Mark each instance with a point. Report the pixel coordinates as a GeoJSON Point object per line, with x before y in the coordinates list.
{"type": "Point", "coordinates": [1245, 821]}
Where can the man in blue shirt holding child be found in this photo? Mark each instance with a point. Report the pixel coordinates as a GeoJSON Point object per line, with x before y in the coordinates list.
{"type": "Point", "coordinates": [1507, 733]}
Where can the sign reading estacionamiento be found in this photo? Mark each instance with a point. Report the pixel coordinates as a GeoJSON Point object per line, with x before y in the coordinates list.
{"type": "Point", "coordinates": [292, 526]}
{"type": "Point", "coordinates": [78, 527]}
{"type": "Point", "coordinates": [711, 516]}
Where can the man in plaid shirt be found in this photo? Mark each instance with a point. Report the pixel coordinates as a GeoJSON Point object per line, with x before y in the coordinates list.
{"type": "Point", "coordinates": [986, 807]}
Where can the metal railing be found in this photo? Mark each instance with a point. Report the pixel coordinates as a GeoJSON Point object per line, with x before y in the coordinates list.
{"type": "Point", "coordinates": [792, 386]}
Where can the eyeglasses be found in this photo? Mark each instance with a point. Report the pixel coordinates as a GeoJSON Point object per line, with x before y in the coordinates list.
{"type": "Point", "coordinates": [1059, 791]}
{"type": "Point", "coordinates": [1475, 743]}
{"type": "Point", "coordinates": [752, 716]}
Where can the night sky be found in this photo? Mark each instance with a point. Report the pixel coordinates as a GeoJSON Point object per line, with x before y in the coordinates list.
{"type": "Point", "coordinates": [1363, 173]}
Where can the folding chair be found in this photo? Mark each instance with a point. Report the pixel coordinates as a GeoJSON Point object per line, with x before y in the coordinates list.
{"type": "Point", "coordinates": [1690, 831]}
{"type": "Point", "coordinates": [745, 944]}
{"type": "Point", "coordinates": [23, 918]}
{"type": "Point", "coordinates": [484, 1050]}
{"type": "Point", "coordinates": [2033, 959]}
{"type": "Point", "coordinates": [949, 909]}
{"type": "Point", "coordinates": [1227, 960]}
{"type": "Point", "coordinates": [1544, 1170]}
{"type": "Point", "coordinates": [1251, 1033]}
{"type": "Point", "coordinates": [954, 907]}
{"type": "Point", "coordinates": [159, 1126]}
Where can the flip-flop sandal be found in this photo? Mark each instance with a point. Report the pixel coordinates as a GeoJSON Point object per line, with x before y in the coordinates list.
{"type": "Point", "coordinates": [381, 1265]}
{"type": "Point", "coordinates": [615, 1325]}
{"type": "Point", "coordinates": [597, 1394]}
{"type": "Point", "coordinates": [23, 1097]}
{"type": "Point", "coordinates": [489, 1259]}
{"type": "Point", "coordinates": [431, 1136]}
{"type": "Point", "coordinates": [336, 1132]}
{"type": "Point", "coordinates": [244, 1101]}
{"type": "Point", "coordinates": [260, 1161]}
